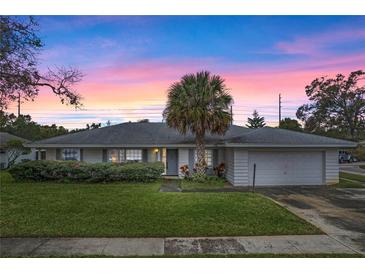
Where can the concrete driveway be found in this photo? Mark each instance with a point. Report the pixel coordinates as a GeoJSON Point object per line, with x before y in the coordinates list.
{"type": "Point", "coordinates": [340, 213]}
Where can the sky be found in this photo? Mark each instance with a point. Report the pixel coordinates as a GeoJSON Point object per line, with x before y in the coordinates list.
{"type": "Point", "coordinates": [130, 61]}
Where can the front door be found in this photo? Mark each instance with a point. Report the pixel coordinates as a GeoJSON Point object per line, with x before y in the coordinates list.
{"type": "Point", "coordinates": [171, 162]}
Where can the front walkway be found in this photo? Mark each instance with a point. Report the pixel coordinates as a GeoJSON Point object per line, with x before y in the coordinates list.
{"type": "Point", "coordinates": [45, 247]}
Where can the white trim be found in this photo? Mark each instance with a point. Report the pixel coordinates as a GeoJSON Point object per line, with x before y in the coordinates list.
{"type": "Point", "coordinates": [233, 145]}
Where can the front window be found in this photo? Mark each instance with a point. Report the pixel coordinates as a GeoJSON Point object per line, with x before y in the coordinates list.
{"type": "Point", "coordinates": [124, 155]}
{"type": "Point", "coordinates": [114, 156]}
{"type": "Point", "coordinates": [208, 157]}
{"type": "Point", "coordinates": [133, 155]}
{"type": "Point", "coordinates": [70, 154]}
{"type": "Point", "coordinates": [40, 154]}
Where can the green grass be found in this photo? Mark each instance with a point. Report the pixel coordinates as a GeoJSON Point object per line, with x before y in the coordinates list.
{"type": "Point", "coordinates": [188, 185]}
{"type": "Point", "coordinates": [136, 210]}
{"type": "Point", "coordinates": [362, 166]}
{"type": "Point", "coordinates": [353, 177]}
{"type": "Point", "coordinates": [344, 183]}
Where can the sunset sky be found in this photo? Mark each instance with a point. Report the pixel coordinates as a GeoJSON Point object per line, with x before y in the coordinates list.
{"type": "Point", "coordinates": [129, 62]}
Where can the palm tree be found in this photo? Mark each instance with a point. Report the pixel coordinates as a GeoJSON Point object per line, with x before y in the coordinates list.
{"type": "Point", "coordinates": [199, 103]}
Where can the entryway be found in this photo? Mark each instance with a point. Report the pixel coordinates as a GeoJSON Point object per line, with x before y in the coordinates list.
{"type": "Point", "coordinates": [172, 162]}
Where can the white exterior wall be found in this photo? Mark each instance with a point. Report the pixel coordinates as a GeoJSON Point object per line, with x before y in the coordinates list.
{"type": "Point", "coordinates": [237, 166]}
{"type": "Point", "coordinates": [4, 159]}
{"type": "Point", "coordinates": [229, 162]}
{"type": "Point", "coordinates": [331, 172]}
{"type": "Point", "coordinates": [183, 158]}
{"type": "Point", "coordinates": [240, 167]}
{"type": "Point", "coordinates": [51, 154]}
{"type": "Point", "coordinates": [93, 155]}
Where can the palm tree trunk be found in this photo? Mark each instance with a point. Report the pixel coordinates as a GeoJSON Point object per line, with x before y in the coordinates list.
{"type": "Point", "coordinates": [200, 150]}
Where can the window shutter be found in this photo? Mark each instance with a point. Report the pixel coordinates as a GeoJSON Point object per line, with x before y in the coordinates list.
{"type": "Point", "coordinates": [58, 154]}
{"type": "Point", "coordinates": [81, 154]}
{"type": "Point", "coordinates": [215, 158]}
{"type": "Point", "coordinates": [105, 155]}
{"type": "Point", "coordinates": [144, 156]}
{"type": "Point", "coordinates": [191, 159]}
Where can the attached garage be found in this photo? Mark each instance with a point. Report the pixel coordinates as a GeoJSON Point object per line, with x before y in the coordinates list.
{"type": "Point", "coordinates": [286, 167]}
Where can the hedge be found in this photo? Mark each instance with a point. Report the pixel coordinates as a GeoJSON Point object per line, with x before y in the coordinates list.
{"type": "Point", "coordinates": [86, 172]}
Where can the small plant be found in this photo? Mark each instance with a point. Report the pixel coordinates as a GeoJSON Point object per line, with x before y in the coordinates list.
{"type": "Point", "coordinates": [220, 170]}
{"type": "Point", "coordinates": [185, 171]}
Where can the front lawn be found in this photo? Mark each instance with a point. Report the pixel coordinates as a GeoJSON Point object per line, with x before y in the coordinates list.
{"type": "Point", "coordinates": [353, 177]}
{"type": "Point", "coordinates": [344, 183]}
{"type": "Point", "coordinates": [136, 210]}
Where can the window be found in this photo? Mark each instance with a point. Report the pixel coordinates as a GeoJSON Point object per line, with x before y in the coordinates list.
{"type": "Point", "coordinates": [40, 154]}
{"type": "Point", "coordinates": [133, 155]}
{"type": "Point", "coordinates": [208, 157]}
{"type": "Point", "coordinates": [70, 154]}
{"type": "Point", "coordinates": [113, 156]}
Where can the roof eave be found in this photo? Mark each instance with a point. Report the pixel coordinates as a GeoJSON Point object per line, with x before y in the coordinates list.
{"type": "Point", "coordinates": [263, 145]}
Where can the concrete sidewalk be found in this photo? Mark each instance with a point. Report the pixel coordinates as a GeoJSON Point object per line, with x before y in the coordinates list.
{"type": "Point", "coordinates": [296, 244]}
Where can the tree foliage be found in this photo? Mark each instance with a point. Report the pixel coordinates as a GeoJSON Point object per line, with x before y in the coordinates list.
{"type": "Point", "coordinates": [290, 124]}
{"type": "Point", "coordinates": [199, 103]}
{"type": "Point", "coordinates": [336, 104]}
{"type": "Point", "coordinates": [256, 121]}
{"type": "Point", "coordinates": [19, 65]}
{"type": "Point", "coordinates": [23, 126]}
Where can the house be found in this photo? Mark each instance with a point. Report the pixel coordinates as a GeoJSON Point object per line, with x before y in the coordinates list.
{"type": "Point", "coordinates": [4, 138]}
{"type": "Point", "coordinates": [282, 157]}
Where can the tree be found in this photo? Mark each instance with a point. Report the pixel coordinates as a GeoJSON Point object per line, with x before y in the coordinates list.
{"type": "Point", "coordinates": [20, 76]}
{"type": "Point", "coordinates": [143, 121]}
{"type": "Point", "coordinates": [93, 126]}
{"type": "Point", "coordinates": [290, 124]}
{"type": "Point", "coordinates": [23, 126]}
{"type": "Point", "coordinates": [256, 121]}
{"type": "Point", "coordinates": [14, 150]}
{"type": "Point", "coordinates": [199, 103]}
{"type": "Point", "coordinates": [335, 104]}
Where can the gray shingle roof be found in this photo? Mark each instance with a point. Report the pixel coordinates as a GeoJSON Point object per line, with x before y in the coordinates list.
{"type": "Point", "coordinates": [276, 136]}
{"type": "Point", "coordinates": [160, 134]}
{"type": "Point", "coordinates": [5, 137]}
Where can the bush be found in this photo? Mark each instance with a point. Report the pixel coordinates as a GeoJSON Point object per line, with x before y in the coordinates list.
{"type": "Point", "coordinates": [204, 179]}
{"type": "Point", "coordinates": [359, 153]}
{"type": "Point", "coordinates": [86, 172]}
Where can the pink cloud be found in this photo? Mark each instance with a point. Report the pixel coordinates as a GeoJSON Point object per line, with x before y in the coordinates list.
{"type": "Point", "coordinates": [310, 45]}
{"type": "Point", "coordinates": [144, 85]}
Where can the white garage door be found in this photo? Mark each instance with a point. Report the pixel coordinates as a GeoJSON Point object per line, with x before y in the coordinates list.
{"type": "Point", "coordinates": [286, 168]}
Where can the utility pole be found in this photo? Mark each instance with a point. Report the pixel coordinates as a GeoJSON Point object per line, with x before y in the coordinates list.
{"type": "Point", "coordinates": [19, 104]}
{"type": "Point", "coordinates": [279, 108]}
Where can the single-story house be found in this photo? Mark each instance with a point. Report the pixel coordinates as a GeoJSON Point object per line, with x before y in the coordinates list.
{"type": "Point", "coordinates": [281, 157]}
{"type": "Point", "coordinates": [4, 138]}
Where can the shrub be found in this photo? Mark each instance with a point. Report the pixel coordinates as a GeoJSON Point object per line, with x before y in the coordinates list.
{"type": "Point", "coordinates": [204, 179]}
{"type": "Point", "coordinates": [86, 172]}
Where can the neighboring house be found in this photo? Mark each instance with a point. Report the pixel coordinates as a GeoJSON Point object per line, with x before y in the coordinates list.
{"type": "Point", "coordinates": [4, 138]}
{"type": "Point", "coordinates": [282, 157]}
